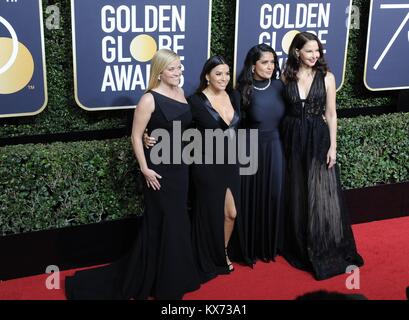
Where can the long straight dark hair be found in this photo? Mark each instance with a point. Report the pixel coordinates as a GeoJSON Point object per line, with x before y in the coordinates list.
{"type": "Point", "coordinates": [211, 63]}
{"type": "Point", "coordinates": [293, 62]}
{"type": "Point", "coordinates": [246, 80]}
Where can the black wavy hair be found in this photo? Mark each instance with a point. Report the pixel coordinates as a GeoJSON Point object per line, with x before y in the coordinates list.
{"type": "Point", "coordinates": [245, 80]}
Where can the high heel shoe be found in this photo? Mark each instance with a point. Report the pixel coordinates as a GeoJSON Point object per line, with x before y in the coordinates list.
{"type": "Point", "coordinates": [229, 263]}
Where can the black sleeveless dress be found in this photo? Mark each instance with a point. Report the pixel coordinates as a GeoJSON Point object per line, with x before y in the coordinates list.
{"type": "Point", "coordinates": [262, 192]}
{"type": "Point", "coordinates": [161, 262]}
{"type": "Point", "coordinates": [318, 235]}
{"type": "Point", "coordinates": [210, 181]}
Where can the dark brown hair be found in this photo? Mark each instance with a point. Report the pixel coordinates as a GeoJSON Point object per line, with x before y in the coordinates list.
{"type": "Point", "coordinates": [211, 63]}
{"type": "Point", "coordinates": [293, 62]}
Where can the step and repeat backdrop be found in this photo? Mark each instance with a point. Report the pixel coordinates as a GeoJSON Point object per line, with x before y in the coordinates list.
{"type": "Point", "coordinates": [387, 50]}
{"type": "Point", "coordinates": [277, 22]}
{"type": "Point", "coordinates": [114, 41]}
{"type": "Point", "coordinates": [23, 84]}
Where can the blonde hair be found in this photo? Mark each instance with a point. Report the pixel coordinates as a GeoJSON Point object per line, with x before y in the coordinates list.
{"type": "Point", "coordinates": [161, 59]}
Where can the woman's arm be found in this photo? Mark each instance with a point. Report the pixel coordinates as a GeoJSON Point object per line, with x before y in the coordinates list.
{"type": "Point", "coordinates": [142, 115]}
{"type": "Point", "coordinates": [149, 141]}
{"type": "Point", "coordinates": [331, 118]}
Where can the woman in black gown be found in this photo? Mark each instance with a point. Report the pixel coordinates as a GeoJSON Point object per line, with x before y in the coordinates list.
{"type": "Point", "coordinates": [216, 186]}
{"type": "Point", "coordinates": [161, 262]}
{"type": "Point", "coordinates": [215, 182]}
{"type": "Point", "coordinates": [318, 236]}
{"type": "Point", "coordinates": [261, 96]}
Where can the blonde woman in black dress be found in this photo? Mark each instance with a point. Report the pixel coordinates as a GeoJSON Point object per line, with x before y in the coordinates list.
{"type": "Point", "coordinates": [161, 262]}
{"type": "Point", "coordinates": [215, 186]}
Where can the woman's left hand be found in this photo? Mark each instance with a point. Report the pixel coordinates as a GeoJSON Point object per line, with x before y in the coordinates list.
{"type": "Point", "coordinates": [331, 157]}
{"type": "Point", "coordinates": [148, 141]}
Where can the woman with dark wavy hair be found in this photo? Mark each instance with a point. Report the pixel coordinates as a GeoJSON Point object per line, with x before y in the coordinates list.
{"type": "Point", "coordinates": [263, 109]}
{"type": "Point", "coordinates": [318, 235]}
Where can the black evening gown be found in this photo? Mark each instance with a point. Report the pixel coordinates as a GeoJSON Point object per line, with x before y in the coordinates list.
{"type": "Point", "coordinates": [318, 235]}
{"type": "Point", "coordinates": [210, 182]}
{"type": "Point", "coordinates": [262, 192]}
{"type": "Point", "coordinates": [161, 262]}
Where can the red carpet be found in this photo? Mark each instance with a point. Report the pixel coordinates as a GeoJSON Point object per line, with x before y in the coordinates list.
{"type": "Point", "coordinates": [383, 244]}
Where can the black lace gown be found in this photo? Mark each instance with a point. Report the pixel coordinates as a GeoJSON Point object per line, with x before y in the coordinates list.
{"type": "Point", "coordinates": [161, 262]}
{"type": "Point", "coordinates": [318, 235]}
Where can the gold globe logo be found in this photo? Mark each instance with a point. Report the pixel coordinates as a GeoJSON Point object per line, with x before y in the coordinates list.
{"type": "Point", "coordinates": [287, 39]}
{"type": "Point", "coordinates": [16, 62]}
{"type": "Point", "coordinates": [143, 48]}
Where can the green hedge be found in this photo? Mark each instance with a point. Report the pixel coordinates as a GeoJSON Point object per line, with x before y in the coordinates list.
{"type": "Point", "coordinates": [62, 114]}
{"type": "Point", "coordinates": [374, 150]}
{"type": "Point", "coordinates": [62, 184]}
{"type": "Point", "coordinates": [65, 184]}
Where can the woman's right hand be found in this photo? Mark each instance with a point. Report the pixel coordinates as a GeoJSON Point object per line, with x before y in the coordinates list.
{"type": "Point", "coordinates": [151, 178]}
{"type": "Point", "coordinates": [148, 141]}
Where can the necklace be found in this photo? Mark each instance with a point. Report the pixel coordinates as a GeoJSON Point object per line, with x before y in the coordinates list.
{"type": "Point", "coordinates": [308, 74]}
{"type": "Point", "coordinates": [263, 88]}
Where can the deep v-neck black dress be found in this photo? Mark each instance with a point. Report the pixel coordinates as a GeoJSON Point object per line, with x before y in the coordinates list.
{"type": "Point", "coordinates": [210, 182]}
{"type": "Point", "coordinates": [318, 235]}
{"type": "Point", "coordinates": [161, 262]}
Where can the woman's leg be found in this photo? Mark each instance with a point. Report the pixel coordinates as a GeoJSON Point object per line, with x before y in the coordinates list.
{"type": "Point", "coordinates": [230, 214]}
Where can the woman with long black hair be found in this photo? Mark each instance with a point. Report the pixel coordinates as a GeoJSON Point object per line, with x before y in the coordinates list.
{"type": "Point", "coordinates": [263, 108]}
{"type": "Point", "coordinates": [216, 186]}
